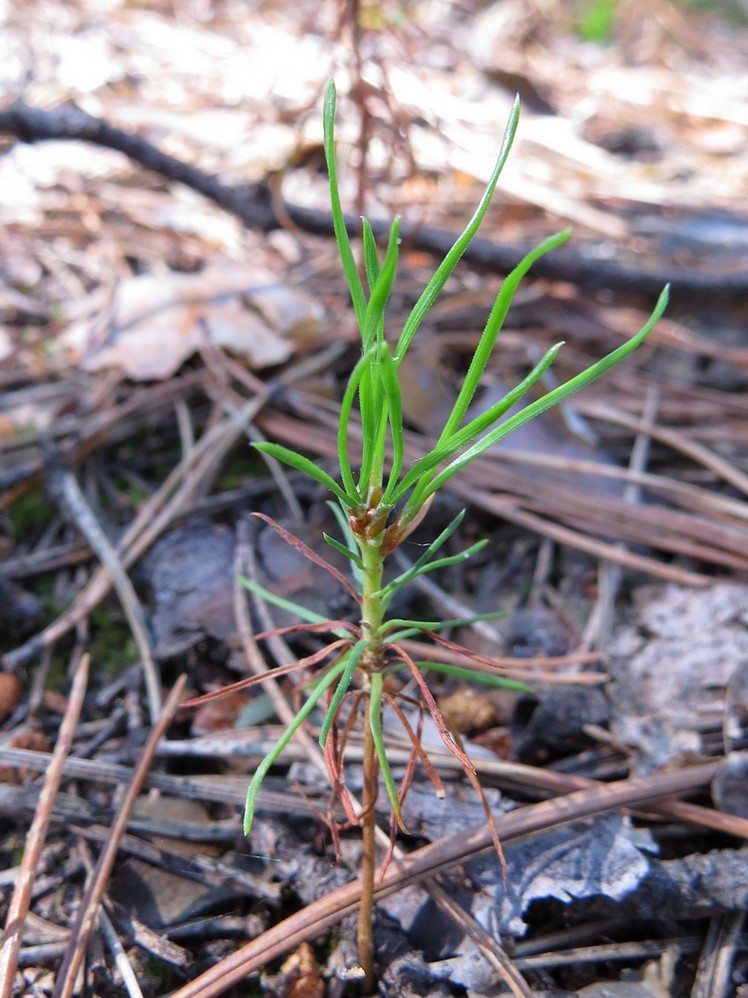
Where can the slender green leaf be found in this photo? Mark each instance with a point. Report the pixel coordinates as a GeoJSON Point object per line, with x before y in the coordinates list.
{"type": "Point", "coordinates": [302, 612]}
{"type": "Point", "coordinates": [341, 515]}
{"type": "Point", "coordinates": [281, 602]}
{"type": "Point", "coordinates": [375, 411]}
{"type": "Point", "coordinates": [371, 256]}
{"type": "Point", "coordinates": [353, 556]}
{"type": "Point", "coordinates": [453, 559]}
{"type": "Point", "coordinates": [341, 233]}
{"type": "Point", "coordinates": [373, 323]}
{"type": "Point", "coordinates": [349, 397]}
{"type": "Point", "coordinates": [493, 326]}
{"type": "Point", "coordinates": [430, 551]}
{"type": "Point", "coordinates": [376, 433]}
{"type": "Point", "coordinates": [380, 294]}
{"type": "Point", "coordinates": [417, 476]}
{"type": "Point", "coordinates": [350, 661]}
{"type": "Point", "coordinates": [391, 385]}
{"type": "Point", "coordinates": [437, 282]}
{"type": "Point", "coordinates": [480, 423]}
{"type": "Point", "coordinates": [370, 400]}
{"type": "Point", "coordinates": [411, 628]}
{"type": "Point", "coordinates": [262, 770]}
{"type": "Point", "coordinates": [468, 674]}
{"type": "Point", "coordinates": [553, 398]}
{"type": "Point", "coordinates": [309, 468]}
{"type": "Point", "coordinates": [375, 723]}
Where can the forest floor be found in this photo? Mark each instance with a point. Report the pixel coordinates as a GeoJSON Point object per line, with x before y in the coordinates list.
{"type": "Point", "coordinates": [153, 328]}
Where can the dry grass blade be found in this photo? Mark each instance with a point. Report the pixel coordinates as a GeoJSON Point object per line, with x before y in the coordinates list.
{"type": "Point", "coordinates": [66, 978]}
{"type": "Point", "coordinates": [537, 669]}
{"type": "Point", "coordinates": [450, 740]}
{"type": "Point", "coordinates": [240, 684]}
{"type": "Point", "coordinates": [418, 752]}
{"type": "Point", "coordinates": [19, 902]}
{"type": "Point", "coordinates": [307, 552]}
{"type": "Point", "coordinates": [511, 509]}
{"type": "Point", "coordinates": [678, 441]}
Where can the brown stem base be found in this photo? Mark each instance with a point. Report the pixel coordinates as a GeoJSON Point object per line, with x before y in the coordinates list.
{"type": "Point", "coordinates": [369, 860]}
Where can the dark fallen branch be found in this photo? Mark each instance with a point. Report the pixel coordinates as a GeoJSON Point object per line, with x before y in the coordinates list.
{"type": "Point", "coordinates": [253, 205]}
{"type": "Point", "coordinates": [250, 203]}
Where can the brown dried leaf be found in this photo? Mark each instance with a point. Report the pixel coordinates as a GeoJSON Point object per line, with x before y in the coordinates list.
{"type": "Point", "coordinates": [467, 710]}
{"type": "Point", "coordinates": [158, 321]}
{"type": "Point", "coordinates": [10, 693]}
{"type": "Point", "coordinates": [300, 975]}
{"type": "Point", "coordinates": [219, 715]}
{"type": "Point", "coordinates": [26, 738]}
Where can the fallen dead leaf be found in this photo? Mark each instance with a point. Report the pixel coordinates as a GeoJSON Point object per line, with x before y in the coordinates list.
{"type": "Point", "coordinates": [467, 710]}
{"type": "Point", "coordinates": [10, 693]}
{"type": "Point", "coordinates": [157, 321]}
{"type": "Point", "coordinates": [219, 715]}
{"type": "Point", "coordinates": [300, 975]}
{"type": "Point", "coordinates": [37, 741]}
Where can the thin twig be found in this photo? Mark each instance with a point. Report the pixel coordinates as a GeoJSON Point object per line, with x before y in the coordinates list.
{"type": "Point", "coordinates": [19, 902]}
{"type": "Point", "coordinates": [215, 789]}
{"type": "Point", "coordinates": [646, 949]}
{"type": "Point", "coordinates": [253, 205]}
{"type": "Point", "coordinates": [600, 623]}
{"type": "Point", "coordinates": [368, 822]}
{"type": "Point", "coordinates": [184, 424]}
{"type": "Point", "coordinates": [84, 923]}
{"type": "Point", "coordinates": [127, 973]}
{"type": "Point", "coordinates": [83, 516]}
{"type": "Point", "coordinates": [111, 939]}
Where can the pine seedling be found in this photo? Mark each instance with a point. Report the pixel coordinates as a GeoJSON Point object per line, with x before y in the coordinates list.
{"type": "Point", "coordinates": [379, 501]}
